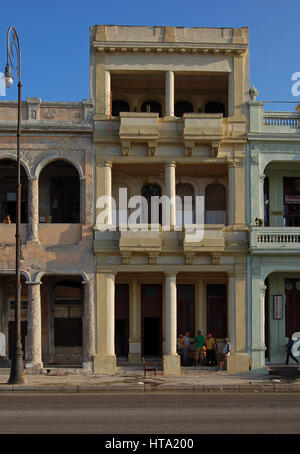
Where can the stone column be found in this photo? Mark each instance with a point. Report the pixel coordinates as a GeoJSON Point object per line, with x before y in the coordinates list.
{"type": "Point", "coordinates": [237, 321]}
{"type": "Point", "coordinates": [231, 193]}
{"type": "Point", "coordinates": [170, 184]}
{"type": "Point", "coordinates": [258, 321]}
{"type": "Point", "coordinates": [33, 209]}
{"type": "Point", "coordinates": [200, 307]}
{"type": "Point", "coordinates": [34, 328]}
{"type": "Point", "coordinates": [88, 325]}
{"type": "Point", "coordinates": [169, 94]}
{"type": "Point", "coordinates": [105, 358]}
{"type": "Point", "coordinates": [134, 356]}
{"type": "Point", "coordinates": [104, 188]}
{"type": "Point", "coordinates": [171, 360]}
{"type": "Point", "coordinates": [107, 94]}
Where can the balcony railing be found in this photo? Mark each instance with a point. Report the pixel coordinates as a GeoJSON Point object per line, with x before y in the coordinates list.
{"type": "Point", "coordinates": [288, 122]}
{"type": "Point", "coordinates": [271, 238]}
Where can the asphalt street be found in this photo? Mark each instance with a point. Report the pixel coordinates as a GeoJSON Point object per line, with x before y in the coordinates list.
{"type": "Point", "coordinates": [155, 413]}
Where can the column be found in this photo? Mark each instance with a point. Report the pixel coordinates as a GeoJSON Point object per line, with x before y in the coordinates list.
{"type": "Point", "coordinates": [104, 188]}
{"type": "Point", "coordinates": [200, 307]}
{"type": "Point", "coordinates": [34, 328]}
{"type": "Point", "coordinates": [105, 358]}
{"type": "Point", "coordinates": [88, 326]}
{"type": "Point", "coordinates": [33, 209]}
{"type": "Point", "coordinates": [236, 189]}
{"type": "Point", "coordinates": [170, 184]}
{"type": "Point", "coordinates": [169, 94]}
{"type": "Point", "coordinates": [134, 356]}
{"type": "Point", "coordinates": [237, 321]}
{"type": "Point", "coordinates": [258, 322]}
{"type": "Point", "coordinates": [107, 93]}
{"type": "Point", "coordinates": [171, 360]}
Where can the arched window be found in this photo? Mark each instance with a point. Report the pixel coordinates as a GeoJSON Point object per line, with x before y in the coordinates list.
{"type": "Point", "coordinates": [215, 204]}
{"type": "Point", "coordinates": [118, 106]}
{"type": "Point", "coordinates": [182, 107]}
{"type": "Point", "coordinates": [151, 106]}
{"type": "Point", "coordinates": [8, 191]}
{"type": "Point", "coordinates": [214, 107]}
{"type": "Point", "coordinates": [149, 191]}
{"type": "Point", "coordinates": [59, 193]}
{"type": "Point", "coordinates": [185, 213]}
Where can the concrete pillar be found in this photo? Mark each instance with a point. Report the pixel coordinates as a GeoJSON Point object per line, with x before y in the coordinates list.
{"type": "Point", "coordinates": [169, 94]}
{"type": "Point", "coordinates": [200, 307]}
{"type": "Point", "coordinates": [34, 328]}
{"type": "Point", "coordinates": [171, 360]}
{"type": "Point", "coordinates": [258, 322]}
{"type": "Point", "coordinates": [170, 184]}
{"type": "Point", "coordinates": [105, 358]}
{"type": "Point", "coordinates": [134, 356]}
{"type": "Point", "coordinates": [237, 322]}
{"type": "Point", "coordinates": [107, 94]}
{"type": "Point", "coordinates": [231, 193]}
{"type": "Point", "coordinates": [88, 325]}
{"type": "Point", "coordinates": [33, 209]}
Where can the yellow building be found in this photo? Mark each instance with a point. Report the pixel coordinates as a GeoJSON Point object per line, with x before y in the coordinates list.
{"type": "Point", "coordinates": [170, 119]}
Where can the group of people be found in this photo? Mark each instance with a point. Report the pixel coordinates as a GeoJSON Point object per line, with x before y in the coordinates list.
{"type": "Point", "coordinates": [201, 343]}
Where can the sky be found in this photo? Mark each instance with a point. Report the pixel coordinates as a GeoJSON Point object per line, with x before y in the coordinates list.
{"type": "Point", "coordinates": [54, 39]}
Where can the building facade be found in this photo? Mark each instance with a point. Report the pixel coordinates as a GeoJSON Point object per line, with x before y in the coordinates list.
{"type": "Point", "coordinates": [274, 235]}
{"type": "Point", "coordinates": [171, 118]}
{"type": "Point", "coordinates": [57, 217]}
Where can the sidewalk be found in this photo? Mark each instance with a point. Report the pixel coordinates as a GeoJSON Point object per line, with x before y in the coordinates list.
{"type": "Point", "coordinates": [62, 380]}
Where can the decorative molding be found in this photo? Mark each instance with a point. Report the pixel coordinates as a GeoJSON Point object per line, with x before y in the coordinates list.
{"type": "Point", "coordinates": [152, 147]}
{"type": "Point", "coordinates": [189, 148]}
{"type": "Point", "coordinates": [215, 148]}
{"type": "Point", "coordinates": [126, 256]}
{"type": "Point", "coordinates": [153, 257]}
{"type": "Point", "coordinates": [189, 258]}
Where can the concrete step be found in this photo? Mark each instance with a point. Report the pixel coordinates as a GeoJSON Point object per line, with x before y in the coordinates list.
{"type": "Point", "coordinates": [282, 370]}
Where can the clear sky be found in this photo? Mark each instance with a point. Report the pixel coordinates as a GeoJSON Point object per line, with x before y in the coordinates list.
{"type": "Point", "coordinates": [54, 39]}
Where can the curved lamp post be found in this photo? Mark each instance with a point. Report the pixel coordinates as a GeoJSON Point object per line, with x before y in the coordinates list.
{"type": "Point", "coordinates": [14, 62]}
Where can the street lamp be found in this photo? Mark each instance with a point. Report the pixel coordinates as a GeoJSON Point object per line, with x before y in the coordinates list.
{"type": "Point", "coordinates": [14, 62]}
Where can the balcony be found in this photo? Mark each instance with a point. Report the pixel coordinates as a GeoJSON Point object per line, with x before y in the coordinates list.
{"type": "Point", "coordinates": [281, 122]}
{"type": "Point", "coordinates": [138, 127]}
{"type": "Point", "coordinates": [275, 240]}
{"type": "Point", "coordinates": [202, 128]}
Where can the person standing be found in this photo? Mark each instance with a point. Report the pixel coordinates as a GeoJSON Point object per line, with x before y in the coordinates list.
{"type": "Point", "coordinates": [186, 343]}
{"type": "Point", "coordinates": [199, 354]}
{"type": "Point", "coordinates": [226, 353]}
{"type": "Point", "coordinates": [210, 345]}
{"type": "Point", "coordinates": [289, 348]}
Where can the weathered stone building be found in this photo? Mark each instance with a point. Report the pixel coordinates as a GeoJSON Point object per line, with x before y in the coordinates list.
{"type": "Point", "coordinates": [171, 118]}
{"type": "Point", "coordinates": [57, 231]}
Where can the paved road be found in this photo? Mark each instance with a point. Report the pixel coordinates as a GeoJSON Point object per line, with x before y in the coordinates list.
{"type": "Point", "coordinates": [153, 413]}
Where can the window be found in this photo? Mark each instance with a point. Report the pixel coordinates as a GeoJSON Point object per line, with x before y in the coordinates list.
{"type": "Point", "coordinates": [119, 106]}
{"type": "Point", "coordinates": [182, 107]}
{"type": "Point", "coordinates": [149, 191]}
{"type": "Point", "coordinates": [151, 106]}
{"type": "Point", "coordinates": [215, 204]}
{"type": "Point", "coordinates": [214, 107]}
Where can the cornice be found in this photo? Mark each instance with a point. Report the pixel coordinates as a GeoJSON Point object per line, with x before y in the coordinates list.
{"type": "Point", "coordinates": [179, 48]}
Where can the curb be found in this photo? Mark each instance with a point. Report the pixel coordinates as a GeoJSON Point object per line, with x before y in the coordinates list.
{"type": "Point", "coordinates": [76, 389]}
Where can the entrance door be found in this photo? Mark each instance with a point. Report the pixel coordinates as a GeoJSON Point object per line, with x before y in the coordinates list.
{"type": "Point", "coordinates": [292, 306]}
{"type": "Point", "coordinates": [122, 320]}
{"type": "Point", "coordinates": [151, 317]}
{"type": "Point", "coordinates": [216, 310]}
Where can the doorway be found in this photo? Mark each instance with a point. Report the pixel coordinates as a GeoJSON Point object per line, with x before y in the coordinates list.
{"type": "Point", "coordinates": [151, 318]}
{"type": "Point", "coordinates": [122, 320]}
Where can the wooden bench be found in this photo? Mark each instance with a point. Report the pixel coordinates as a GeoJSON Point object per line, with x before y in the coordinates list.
{"type": "Point", "coordinates": [149, 367]}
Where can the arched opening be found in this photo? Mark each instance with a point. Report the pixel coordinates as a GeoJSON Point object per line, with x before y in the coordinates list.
{"type": "Point", "coordinates": [151, 106]}
{"type": "Point", "coordinates": [185, 213]}
{"type": "Point", "coordinates": [118, 106]}
{"type": "Point", "coordinates": [215, 204]}
{"type": "Point", "coordinates": [149, 191]}
{"type": "Point", "coordinates": [59, 193]}
{"type": "Point", "coordinates": [214, 107]}
{"type": "Point", "coordinates": [68, 311]}
{"type": "Point", "coordinates": [182, 107]}
{"type": "Point", "coordinates": [8, 191]}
